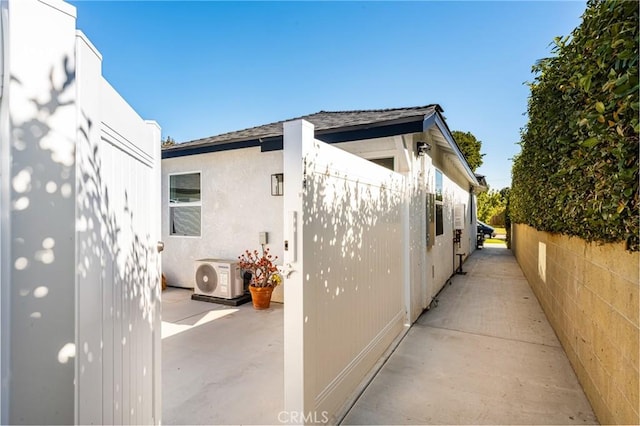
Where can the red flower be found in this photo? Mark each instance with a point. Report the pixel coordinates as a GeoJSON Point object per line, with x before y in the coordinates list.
{"type": "Point", "coordinates": [261, 267]}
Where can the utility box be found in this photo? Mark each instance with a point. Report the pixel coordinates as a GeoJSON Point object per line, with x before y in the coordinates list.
{"type": "Point", "coordinates": [458, 216]}
{"type": "Point", "coordinates": [263, 237]}
{"type": "Point", "coordinates": [430, 216]}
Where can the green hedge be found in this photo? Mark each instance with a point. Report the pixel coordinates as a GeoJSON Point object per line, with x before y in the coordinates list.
{"type": "Point", "coordinates": [577, 172]}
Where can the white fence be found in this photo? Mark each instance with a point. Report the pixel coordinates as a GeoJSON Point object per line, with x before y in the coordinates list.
{"type": "Point", "coordinates": [345, 224]}
{"type": "Point", "coordinates": [80, 198]}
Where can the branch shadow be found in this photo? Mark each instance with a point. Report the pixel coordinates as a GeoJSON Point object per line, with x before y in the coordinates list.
{"type": "Point", "coordinates": [79, 263]}
{"type": "Point", "coordinates": [353, 228]}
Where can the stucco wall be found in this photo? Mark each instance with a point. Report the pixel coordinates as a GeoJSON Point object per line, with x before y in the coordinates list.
{"type": "Point", "coordinates": [429, 268]}
{"type": "Point", "coordinates": [417, 240]}
{"type": "Point", "coordinates": [441, 259]}
{"type": "Point", "coordinates": [236, 206]}
{"type": "Point", "coordinates": [249, 209]}
{"type": "Point", "coordinates": [589, 293]}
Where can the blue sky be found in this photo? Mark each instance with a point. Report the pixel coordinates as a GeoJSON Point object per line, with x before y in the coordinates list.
{"type": "Point", "coordinates": [205, 68]}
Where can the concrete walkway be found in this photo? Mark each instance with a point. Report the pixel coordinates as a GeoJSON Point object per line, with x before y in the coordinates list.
{"type": "Point", "coordinates": [485, 355]}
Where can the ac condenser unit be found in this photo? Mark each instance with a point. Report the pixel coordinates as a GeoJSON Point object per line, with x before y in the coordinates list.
{"type": "Point", "coordinates": [218, 278]}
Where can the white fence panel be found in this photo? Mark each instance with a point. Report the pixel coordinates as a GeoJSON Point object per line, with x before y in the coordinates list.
{"type": "Point", "coordinates": [80, 289]}
{"type": "Point", "coordinates": [345, 298]}
{"type": "Point", "coordinates": [37, 125]}
{"type": "Point", "coordinates": [118, 283]}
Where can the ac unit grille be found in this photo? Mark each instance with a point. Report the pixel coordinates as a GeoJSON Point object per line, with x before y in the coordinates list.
{"type": "Point", "coordinates": [218, 278]}
{"type": "Point", "coordinates": [206, 278]}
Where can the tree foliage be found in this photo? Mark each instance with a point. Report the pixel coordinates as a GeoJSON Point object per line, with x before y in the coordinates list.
{"type": "Point", "coordinates": [169, 141]}
{"type": "Point", "coordinates": [491, 206]}
{"type": "Point", "coordinates": [470, 147]}
{"type": "Point", "coordinates": [577, 172]}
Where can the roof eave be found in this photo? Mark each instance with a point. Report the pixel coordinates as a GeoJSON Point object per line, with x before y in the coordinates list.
{"type": "Point", "coordinates": [413, 124]}
{"type": "Point", "coordinates": [437, 120]}
{"type": "Point", "coordinates": [206, 148]}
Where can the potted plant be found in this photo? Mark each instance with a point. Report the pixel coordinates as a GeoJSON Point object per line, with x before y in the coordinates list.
{"type": "Point", "coordinates": [264, 275]}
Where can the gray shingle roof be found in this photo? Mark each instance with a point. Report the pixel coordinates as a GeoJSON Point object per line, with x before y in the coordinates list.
{"type": "Point", "coordinates": [324, 121]}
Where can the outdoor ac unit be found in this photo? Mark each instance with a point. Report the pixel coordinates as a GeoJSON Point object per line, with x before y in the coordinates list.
{"type": "Point", "coordinates": [218, 278]}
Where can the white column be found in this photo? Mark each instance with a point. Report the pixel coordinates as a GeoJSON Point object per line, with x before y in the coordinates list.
{"type": "Point", "coordinates": [298, 395]}
{"type": "Point", "coordinates": [406, 247]}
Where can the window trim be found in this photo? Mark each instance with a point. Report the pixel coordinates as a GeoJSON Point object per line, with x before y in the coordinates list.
{"type": "Point", "coordinates": [172, 205]}
{"type": "Point", "coordinates": [379, 160]}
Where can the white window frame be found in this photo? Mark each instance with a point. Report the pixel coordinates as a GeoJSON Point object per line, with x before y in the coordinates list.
{"type": "Point", "coordinates": [184, 204]}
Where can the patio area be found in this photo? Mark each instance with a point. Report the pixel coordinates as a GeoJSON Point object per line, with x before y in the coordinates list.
{"type": "Point", "coordinates": [220, 364]}
{"type": "Point", "coordinates": [485, 355]}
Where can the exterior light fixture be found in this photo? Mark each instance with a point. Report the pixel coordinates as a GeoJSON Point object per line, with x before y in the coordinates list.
{"type": "Point", "coordinates": [277, 184]}
{"type": "Point", "coordinates": [423, 148]}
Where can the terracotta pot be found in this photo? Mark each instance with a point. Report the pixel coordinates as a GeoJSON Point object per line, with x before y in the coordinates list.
{"type": "Point", "coordinates": [261, 296]}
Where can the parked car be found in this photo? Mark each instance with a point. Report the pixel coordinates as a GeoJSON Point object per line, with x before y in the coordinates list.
{"type": "Point", "coordinates": [486, 230]}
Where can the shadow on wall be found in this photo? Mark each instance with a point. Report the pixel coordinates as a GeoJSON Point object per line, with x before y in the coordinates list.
{"type": "Point", "coordinates": [119, 284]}
{"type": "Point", "coordinates": [42, 285]}
{"type": "Point", "coordinates": [47, 140]}
{"type": "Point", "coordinates": [103, 229]}
{"type": "Point", "coordinates": [353, 234]}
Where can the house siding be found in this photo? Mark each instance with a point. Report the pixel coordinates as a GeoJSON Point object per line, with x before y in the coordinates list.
{"type": "Point", "coordinates": [236, 206]}
{"type": "Point", "coordinates": [441, 258]}
{"type": "Point", "coordinates": [236, 189]}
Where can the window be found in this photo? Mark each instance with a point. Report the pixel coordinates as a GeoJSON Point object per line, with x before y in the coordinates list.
{"type": "Point", "coordinates": [389, 162]}
{"type": "Point", "coordinates": [439, 198]}
{"type": "Point", "coordinates": [438, 185]}
{"type": "Point", "coordinates": [185, 205]}
{"type": "Point", "coordinates": [471, 209]}
{"type": "Point", "coordinates": [439, 227]}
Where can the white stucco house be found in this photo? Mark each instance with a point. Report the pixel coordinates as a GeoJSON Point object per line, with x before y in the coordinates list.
{"type": "Point", "coordinates": [369, 212]}
{"type": "Point", "coordinates": [237, 181]}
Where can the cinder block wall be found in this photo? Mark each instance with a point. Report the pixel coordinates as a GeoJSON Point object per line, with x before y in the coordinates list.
{"type": "Point", "coordinates": [589, 293]}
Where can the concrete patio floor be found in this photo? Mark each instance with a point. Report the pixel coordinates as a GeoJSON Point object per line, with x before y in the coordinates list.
{"type": "Point", "coordinates": [220, 364]}
{"type": "Point", "coordinates": [485, 355]}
